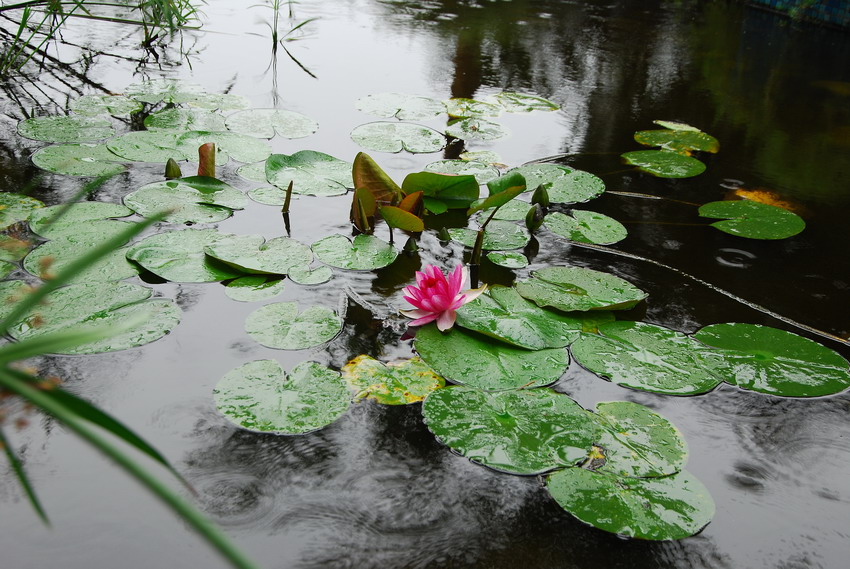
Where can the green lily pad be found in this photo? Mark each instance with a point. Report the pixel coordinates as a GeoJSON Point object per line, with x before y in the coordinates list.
{"type": "Point", "coordinates": [66, 128]}
{"type": "Point", "coordinates": [679, 141]}
{"type": "Point", "coordinates": [365, 253]}
{"type": "Point", "coordinates": [474, 128]}
{"type": "Point", "coordinates": [253, 254]}
{"type": "Point", "coordinates": [79, 307]}
{"type": "Point", "coordinates": [11, 292]}
{"type": "Point", "coordinates": [638, 442]}
{"type": "Point", "coordinates": [176, 91]}
{"type": "Point", "coordinates": [16, 207]}
{"type": "Point", "coordinates": [664, 164]}
{"type": "Point", "coordinates": [508, 259]}
{"type": "Point", "coordinates": [565, 185]}
{"type": "Point", "coordinates": [13, 249]}
{"type": "Point", "coordinates": [254, 287]}
{"type": "Point", "coordinates": [53, 256]}
{"type": "Point", "coordinates": [514, 210]}
{"type": "Point", "coordinates": [460, 107]}
{"type": "Point", "coordinates": [269, 195]}
{"type": "Point", "coordinates": [312, 173]}
{"type": "Point", "coordinates": [768, 360]}
{"type": "Point", "coordinates": [485, 363]}
{"type": "Point", "coordinates": [396, 136]}
{"type": "Point", "coordinates": [586, 227]}
{"type": "Point", "coordinates": [240, 147]}
{"type": "Point", "coordinates": [178, 256]}
{"type": "Point", "coordinates": [74, 219]}
{"type": "Point", "coordinates": [309, 275]}
{"type": "Point", "coordinates": [650, 358]}
{"type": "Point", "coordinates": [6, 269]}
{"type": "Point", "coordinates": [264, 123]}
{"type": "Point", "coordinates": [79, 160]}
{"type": "Point", "coordinates": [259, 396]}
{"type": "Point", "coordinates": [577, 288]}
{"type": "Point", "coordinates": [503, 314]}
{"type": "Point", "coordinates": [176, 119]}
{"type": "Point", "coordinates": [483, 172]}
{"type": "Point", "coordinates": [483, 156]}
{"type": "Point", "coordinates": [675, 125]}
{"type": "Point", "coordinates": [115, 105]}
{"type": "Point", "coordinates": [521, 432]}
{"type": "Point", "coordinates": [672, 507]}
{"type": "Point", "coordinates": [197, 199]}
{"type": "Point", "coordinates": [522, 103]}
{"type": "Point", "coordinates": [499, 236]}
{"type": "Point", "coordinates": [755, 220]}
{"type": "Point", "coordinates": [150, 146]}
{"type": "Point", "coordinates": [400, 106]}
{"type": "Point", "coordinates": [280, 325]}
{"type": "Point", "coordinates": [395, 383]}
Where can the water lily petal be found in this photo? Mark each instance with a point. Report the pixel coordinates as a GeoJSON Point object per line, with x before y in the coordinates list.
{"type": "Point", "coordinates": [425, 320]}
{"type": "Point", "coordinates": [446, 320]}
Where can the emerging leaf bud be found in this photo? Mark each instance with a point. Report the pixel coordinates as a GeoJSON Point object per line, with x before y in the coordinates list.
{"type": "Point", "coordinates": [534, 218]}
{"type": "Point", "coordinates": [172, 169]}
{"type": "Point", "coordinates": [206, 160]}
{"type": "Point", "coordinates": [540, 196]}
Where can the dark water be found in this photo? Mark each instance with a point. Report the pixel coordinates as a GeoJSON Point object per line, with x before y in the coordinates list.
{"type": "Point", "coordinates": [375, 489]}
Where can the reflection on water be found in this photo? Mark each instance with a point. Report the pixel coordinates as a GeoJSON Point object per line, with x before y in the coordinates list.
{"type": "Point", "coordinates": [375, 489]}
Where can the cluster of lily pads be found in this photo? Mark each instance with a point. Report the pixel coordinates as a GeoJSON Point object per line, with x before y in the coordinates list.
{"type": "Point", "coordinates": [618, 467]}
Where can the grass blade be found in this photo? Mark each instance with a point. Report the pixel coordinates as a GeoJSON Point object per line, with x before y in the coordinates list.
{"type": "Point", "coordinates": [18, 468]}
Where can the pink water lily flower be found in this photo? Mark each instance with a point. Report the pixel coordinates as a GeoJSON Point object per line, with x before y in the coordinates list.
{"type": "Point", "coordinates": [437, 297]}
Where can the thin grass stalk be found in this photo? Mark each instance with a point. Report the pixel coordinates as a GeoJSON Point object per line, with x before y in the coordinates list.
{"type": "Point", "coordinates": [21, 475]}
{"type": "Point", "coordinates": [177, 504]}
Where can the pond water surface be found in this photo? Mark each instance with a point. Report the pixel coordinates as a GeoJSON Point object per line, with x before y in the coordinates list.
{"type": "Point", "coordinates": [375, 489]}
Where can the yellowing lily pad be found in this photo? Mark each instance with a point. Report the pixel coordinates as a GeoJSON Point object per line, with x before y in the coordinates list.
{"type": "Point", "coordinates": [395, 383]}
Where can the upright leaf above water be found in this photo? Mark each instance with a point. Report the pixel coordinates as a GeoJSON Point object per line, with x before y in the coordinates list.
{"type": "Point", "coordinates": [485, 363]}
{"type": "Point", "coordinates": [672, 507]}
{"type": "Point", "coordinates": [650, 358]}
{"type": "Point", "coordinates": [369, 176]}
{"type": "Point", "coordinates": [450, 191]}
{"type": "Point", "coordinates": [521, 432]}
{"type": "Point", "coordinates": [577, 288]}
{"type": "Point", "coordinates": [746, 218]}
{"type": "Point", "coordinates": [259, 396]}
{"type": "Point", "coordinates": [768, 360]}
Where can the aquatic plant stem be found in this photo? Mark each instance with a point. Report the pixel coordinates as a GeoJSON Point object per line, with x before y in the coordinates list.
{"type": "Point", "coordinates": [715, 288]}
{"type": "Point", "coordinates": [21, 475]}
{"type": "Point", "coordinates": [181, 507]}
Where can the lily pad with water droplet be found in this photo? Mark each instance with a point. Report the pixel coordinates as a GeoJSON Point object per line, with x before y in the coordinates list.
{"type": "Point", "coordinates": [176, 91]}
{"type": "Point", "coordinates": [254, 287]}
{"type": "Point", "coordinates": [565, 185]}
{"type": "Point", "coordinates": [53, 256]}
{"type": "Point", "coordinates": [578, 288]}
{"type": "Point", "coordinates": [460, 107]}
{"type": "Point", "coordinates": [521, 432]}
{"type": "Point", "coordinates": [312, 173]}
{"type": "Point", "coordinates": [310, 276]}
{"type": "Point", "coordinates": [514, 210]}
{"type": "Point", "coordinates": [503, 314]}
{"type": "Point", "coordinates": [79, 160]}
{"type": "Point", "coordinates": [638, 442]}
{"type": "Point", "coordinates": [679, 141]}
{"type": "Point", "coordinates": [395, 383]}
{"type": "Point", "coordinates": [755, 220]}
{"type": "Point", "coordinates": [16, 207]}
{"type": "Point", "coordinates": [264, 123]}
{"type": "Point", "coordinates": [178, 256]}
{"type": "Point", "coordinates": [650, 358]}
{"type": "Point", "coordinates": [474, 128]}
{"type": "Point", "coordinates": [66, 128]}
{"type": "Point", "coordinates": [240, 147]}
{"type": "Point", "coordinates": [586, 227]}
{"type": "Point", "coordinates": [197, 199]}
{"type": "Point", "coordinates": [664, 164]}
{"type": "Point", "coordinates": [74, 219]}
{"type": "Point", "coordinates": [253, 254]}
{"type": "Point", "coordinates": [672, 507]}
{"type": "Point", "coordinates": [523, 103]}
{"type": "Point", "coordinates": [365, 253]}
{"type": "Point", "coordinates": [486, 363]}
{"type": "Point", "coordinates": [177, 119]}
{"type": "Point", "coordinates": [483, 172]}
{"type": "Point", "coordinates": [499, 236]}
{"type": "Point", "coordinates": [508, 259]}
{"type": "Point", "coordinates": [401, 106]}
{"type": "Point", "coordinates": [259, 396]}
{"type": "Point", "coordinates": [280, 325]}
{"type": "Point", "coordinates": [149, 146]}
{"type": "Point", "coordinates": [115, 105]}
{"type": "Point", "coordinates": [768, 360]}
{"type": "Point", "coordinates": [79, 307]}
{"type": "Point", "coordinates": [397, 136]}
